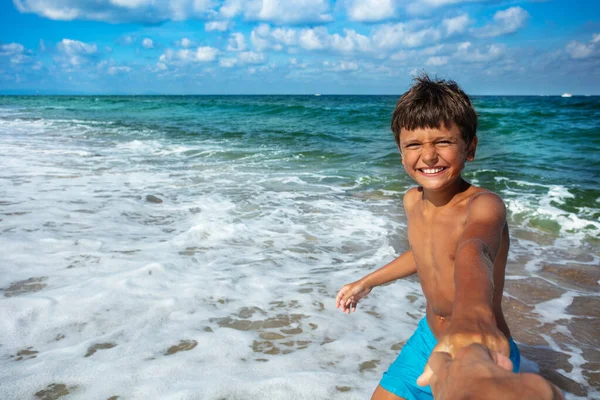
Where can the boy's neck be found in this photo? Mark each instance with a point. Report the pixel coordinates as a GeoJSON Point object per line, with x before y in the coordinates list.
{"type": "Point", "coordinates": [443, 197]}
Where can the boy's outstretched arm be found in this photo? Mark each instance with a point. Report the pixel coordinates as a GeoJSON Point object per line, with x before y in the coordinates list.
{"type": "Point", "coordinates": [349, 295]}
{"type": "Point", "coordinates": [473, 318]}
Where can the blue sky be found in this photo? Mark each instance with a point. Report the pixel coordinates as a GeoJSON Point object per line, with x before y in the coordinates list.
{"type": "Point", "coordinates": [297, 46]}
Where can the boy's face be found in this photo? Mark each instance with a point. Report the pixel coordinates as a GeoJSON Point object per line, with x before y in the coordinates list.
{"type": "Point", "coordinates": [435, 158]}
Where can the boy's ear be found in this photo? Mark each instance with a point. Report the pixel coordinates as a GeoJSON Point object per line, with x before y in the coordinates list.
{"type": "Point", "coordinates": [472, 148]}
{"type": "Point", "coordinates": [401, 158]}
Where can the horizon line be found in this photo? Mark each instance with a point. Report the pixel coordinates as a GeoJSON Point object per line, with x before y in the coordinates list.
{"type": "Point", "coordinates": [25, 93]}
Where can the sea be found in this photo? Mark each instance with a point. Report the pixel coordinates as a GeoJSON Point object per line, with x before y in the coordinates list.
{"type": "Point", "coordinates": [191, 247]}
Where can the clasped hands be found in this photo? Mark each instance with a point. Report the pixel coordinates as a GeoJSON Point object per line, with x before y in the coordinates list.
{"type": "Point", "coordinates": [480, 369]}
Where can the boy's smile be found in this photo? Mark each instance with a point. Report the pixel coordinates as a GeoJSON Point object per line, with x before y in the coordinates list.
{"type": "Point", "coordinates": [435, 158]}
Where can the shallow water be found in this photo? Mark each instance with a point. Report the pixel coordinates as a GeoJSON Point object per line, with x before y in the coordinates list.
{"type": "Point", "coordinates": [192, 247]}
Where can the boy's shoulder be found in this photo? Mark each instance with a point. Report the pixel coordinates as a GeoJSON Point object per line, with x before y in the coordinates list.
{"type": "Point", "coordinates": [485, 204]}
{"type": "Point", "coordinates": [412, 196]}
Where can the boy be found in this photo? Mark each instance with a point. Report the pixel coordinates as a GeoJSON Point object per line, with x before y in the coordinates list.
{"type": "Point", "coordinates": [458, 240]}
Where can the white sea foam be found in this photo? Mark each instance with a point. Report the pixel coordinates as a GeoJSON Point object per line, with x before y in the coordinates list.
{"type": "Point", "coordinates": [112, 268]}
{"type": "Point", "coordinates": [574, 227]}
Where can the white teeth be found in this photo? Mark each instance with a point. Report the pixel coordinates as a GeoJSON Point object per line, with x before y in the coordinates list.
{"type": "Point", "coordinates": [431, 170]}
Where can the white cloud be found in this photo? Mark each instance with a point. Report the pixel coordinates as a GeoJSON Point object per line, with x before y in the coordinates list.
{"type": "Point", "coordinates": [227, 62]}
{"type": "Point", "coordinates": [370, 10]}
{"type": "Point", "coordinates": [115, 11]}
{"type": "Point", "coordinates": [285, 36]}
{"type": "Point", "coordinates": [417, 56]}
{"type": "Point", "coordinates": [126, 40]}
{"type": "Point", "coordinates": [75, 52]}
{"type": "Point", "coordinates": [433, 50]}
{"type": "Point", "coordinates": [220, 26]}
{"type": "Point", "coordinates": [264, 38]}
{"type": "Point", "coordinates": [231, 8]}
{"type": "Point", "coordinates": [11, 49]}
{"type": "Point", "coordinates": [456, 25]}
{"type": "Point", "coordinates": [260, 37]}
{"type": "Point", "coordinates": [206, 53]}
{"type": "Point", "coordinates": [184, 42]}
{"type": "Point", "coordinates": [426, 6]}
{"type": "Point", "coordinates": [579, 50]}
{"type": "Point", "coordinates": [391, 36]}
{"type": "Point", "coordinates": [437, 61]}
{"type": "Point", "coordinates": [465, 53]}
{"type": "Point", "coordinates": [250, 57]}
{"type": "Point", "coordinates": [261, 69]}
{"type": "Point", "coordinates": [114, 70]}
{"type": "Point", "coordinates": [185, 56]}
{"type": "Point", "coordinates": [313, 39]}
{"type": "Point", "coordinates": [148, 43]}
{"type": "Point", "coordinates": [340, 66]}
{"type": "Point", "coordinates": [16, 52]}
{"type": "Point", "coordinates": [42, 45]}
{"type": "Point", "coordinates": [237, 42]}
{"type": "Point", "coordinates": [351, 42]}
{"type": "Point", "coordinates": [278, 11]}
{"type": "Point", "coordinates": [297, 64]}
{"type": "Point", "coordinates": [507, 21]}
{"type": "Point", "coordinates": [400, 55]}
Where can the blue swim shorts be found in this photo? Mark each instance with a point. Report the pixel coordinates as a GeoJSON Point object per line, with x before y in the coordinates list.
{"type": "Point", "coordinates": [401, 378]}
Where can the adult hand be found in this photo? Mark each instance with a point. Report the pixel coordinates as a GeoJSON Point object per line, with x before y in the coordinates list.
{"type": "Point", "coordinates": [465, 331]}
{"type": "Point", "coordinates": [477, 373]}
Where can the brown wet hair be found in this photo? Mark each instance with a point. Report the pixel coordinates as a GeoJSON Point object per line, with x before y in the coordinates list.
{"type": "Point", "coordinates": [431, 103]}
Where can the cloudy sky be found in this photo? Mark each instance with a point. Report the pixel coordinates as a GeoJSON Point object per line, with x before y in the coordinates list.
{"type": "Point", "coordinates": [297, 46]}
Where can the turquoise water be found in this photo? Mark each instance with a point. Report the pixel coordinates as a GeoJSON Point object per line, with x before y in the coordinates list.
{"type": "Point", "coordinates": [269, 205]}
{"type": "Point", "coordinates": [528, 145]}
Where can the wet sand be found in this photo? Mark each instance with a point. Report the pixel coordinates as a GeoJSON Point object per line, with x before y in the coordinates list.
{"type": "Point", "coordinates": [571, 341]}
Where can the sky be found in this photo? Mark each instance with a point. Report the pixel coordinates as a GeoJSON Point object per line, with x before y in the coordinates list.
{"type": "Point", "coordinates": [490, 47]}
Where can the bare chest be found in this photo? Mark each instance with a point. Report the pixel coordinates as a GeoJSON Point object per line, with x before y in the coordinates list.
{"type": "Point", "coordinates": [433, 239]}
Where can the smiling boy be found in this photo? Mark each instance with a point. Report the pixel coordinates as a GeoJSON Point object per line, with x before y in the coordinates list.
{"type": "Point", "coordinates": [458, 240]}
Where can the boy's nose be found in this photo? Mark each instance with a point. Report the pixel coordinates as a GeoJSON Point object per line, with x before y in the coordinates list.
{"type": "Point", "coordinates": [429, 154]}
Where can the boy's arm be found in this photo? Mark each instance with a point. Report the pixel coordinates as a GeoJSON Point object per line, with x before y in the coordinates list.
{"type": "Point", "coordinates": [401, 267]}
{"type": "Point", "coordinates": [349, 295]}
{"type": "Point", "coordinates": [473, 318]}
{"type": "Point", "coordinates": [404, 265]}
{"type": "Point", "coordinates": [474, 262]}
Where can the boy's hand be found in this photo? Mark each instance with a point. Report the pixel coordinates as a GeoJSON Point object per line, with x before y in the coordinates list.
{"type": "Point", "coordinates": [349, 295]}
{"type": "Point", "coordinates": [463, 332]}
